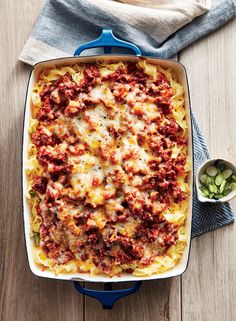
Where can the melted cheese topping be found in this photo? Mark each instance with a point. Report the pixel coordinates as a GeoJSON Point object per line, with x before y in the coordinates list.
{"type": "Point", "coordinates": [108, 169]}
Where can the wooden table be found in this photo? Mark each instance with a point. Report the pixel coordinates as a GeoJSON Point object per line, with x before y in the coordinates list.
{"type": "Point", "coordinates": [207, 290]}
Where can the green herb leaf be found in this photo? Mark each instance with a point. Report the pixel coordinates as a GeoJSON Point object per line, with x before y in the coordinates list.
{"type": "Point", "coordinates": [36, 238]}
{"type": "Point", "coordinates": [222, 186]}
{"type": "Point", "coordinates": [227, 173]}
{"type": "Point", "coordinates": [219, 179]}
{"type": "Point", "coordinates": [233, 177]}
{"type": "Point", "coordinates": [204, 191]}
{"type": "Point", "coordinates": [218, 196]}
{"type": "Point", "coordinates": [211, 171]}
{"type": "Point", "coordinates": [32, 193]}
{"type": "Point", "coordinates": [203, 178]}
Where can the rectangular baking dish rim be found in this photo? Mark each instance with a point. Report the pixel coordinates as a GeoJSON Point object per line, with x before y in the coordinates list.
{"type": "Point", "coordinates": [86, 276]}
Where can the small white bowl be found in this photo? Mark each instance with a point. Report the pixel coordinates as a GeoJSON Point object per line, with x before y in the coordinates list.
{"type": "Point", "coordinates": [201, 170]}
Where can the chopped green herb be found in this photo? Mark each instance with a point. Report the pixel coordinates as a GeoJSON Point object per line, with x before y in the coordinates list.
{"type": "Point", "coordinates": [211, 171]}
{"type": "Point", "coordinates": [227, 173]}
{"type": "Point", "coordinates": [213, 188]}
{"type": "Point", "coordinates": [222, 186]}
{"type": "Point", "coordinates": [36, 238]}
{"type": "Point", "coordinates": [204, 191]}
{"type": "Point", "coordinates": [218, 196]}
{"type": "Point", "coordinates": [217, 181]}
{"type": "Point", "coordinates": [203, 178]}
{"type": "Point", "coordinates": [32, 193]}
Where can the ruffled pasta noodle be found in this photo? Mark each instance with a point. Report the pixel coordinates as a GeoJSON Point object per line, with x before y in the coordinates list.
{"type": "Point", "coordinates": [96, 149]}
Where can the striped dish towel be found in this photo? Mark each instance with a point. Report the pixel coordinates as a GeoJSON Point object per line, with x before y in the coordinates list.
{"type": "Point", "coordinates": [64, 25]}
{"type": "Point", "coordinates": [160, 30]}
{"type": "Point", "coordinates": [206, 216]}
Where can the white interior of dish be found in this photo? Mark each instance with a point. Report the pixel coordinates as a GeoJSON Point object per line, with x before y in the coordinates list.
{"type": "Point", "coordinates": [180, 74]}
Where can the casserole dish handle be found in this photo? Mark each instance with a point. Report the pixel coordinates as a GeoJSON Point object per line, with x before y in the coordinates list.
{"type": "Point", "coordinates": [108, 40]}
{"type": "Point", "coordinates": [107, 297]}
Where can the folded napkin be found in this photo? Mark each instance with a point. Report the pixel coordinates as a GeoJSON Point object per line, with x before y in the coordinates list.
{"type": "Point", "coordinates": [66, 24]}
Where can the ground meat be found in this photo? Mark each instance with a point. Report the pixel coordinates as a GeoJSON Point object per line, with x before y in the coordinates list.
{"type": "Point", "coordinates": [40, 184]}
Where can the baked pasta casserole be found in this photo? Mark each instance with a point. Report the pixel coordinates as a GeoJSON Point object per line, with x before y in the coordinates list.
{"type": "Point", "coordinates": [107, 169]}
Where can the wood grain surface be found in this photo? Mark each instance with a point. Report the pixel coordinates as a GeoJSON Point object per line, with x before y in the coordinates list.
{"type": "Point", "coordinates": [209, 283]}
{"type": "Point", "coordinates": [206, 292]}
